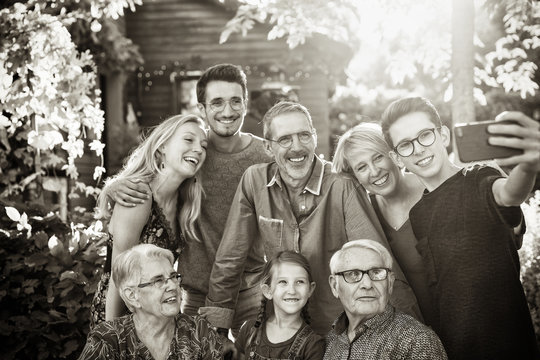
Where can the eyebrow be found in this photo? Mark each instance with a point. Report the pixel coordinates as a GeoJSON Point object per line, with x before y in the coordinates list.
{"type": "Point", "coordinates": [418, 133]}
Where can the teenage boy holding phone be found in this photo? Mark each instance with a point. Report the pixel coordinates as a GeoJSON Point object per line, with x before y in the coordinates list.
{"type": "Point", "coordinates": [464, 225]}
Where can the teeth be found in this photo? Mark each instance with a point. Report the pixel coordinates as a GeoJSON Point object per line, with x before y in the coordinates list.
{"type": "Point", "coordinates": [424, 161]}
{"type": "Point", "coordinates": [191, 159]}
{"type": "Point", "coordinates": [170, 300]}
{"type": "Point", "coordinates": [298, 159]}
{"type": "Point", "coordinates": [226, 121]}
{"type": "Point", "coordinates": [381, 180]}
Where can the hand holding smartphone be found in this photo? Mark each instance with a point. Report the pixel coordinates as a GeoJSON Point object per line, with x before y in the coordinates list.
{"type": "Point", "coordinates": [472, 142]}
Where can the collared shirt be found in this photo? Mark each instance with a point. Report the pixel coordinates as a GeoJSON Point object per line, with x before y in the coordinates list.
{"type": "Point", "coordinates": [390, 335]}
{"type": "Point", "coordinates": [261, 223]}
{"type": "Point", "coordinates": [118, 340]}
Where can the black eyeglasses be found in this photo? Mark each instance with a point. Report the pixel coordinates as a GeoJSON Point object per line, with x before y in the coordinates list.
{"type": "Point", "coordinates": [356, 275]}
{"type": "Point", "coordinates": [218, 104]}
{"type": "Point", "coordinates": [161, 281]}
{"type": "Point", "coordinates": [305, 137]}
{"type": "Point", "coordinates": [425, 138]}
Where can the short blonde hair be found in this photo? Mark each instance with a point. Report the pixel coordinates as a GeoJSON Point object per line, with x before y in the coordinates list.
{"type": "Point", "coordinates": [365, 136]}
{"type": "Point", "coordinates": [383, 252]}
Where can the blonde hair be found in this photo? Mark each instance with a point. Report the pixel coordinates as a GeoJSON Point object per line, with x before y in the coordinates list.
{"type": "Point", "coordinates": [365, 136]}
{"type": "Point", "coordinates": [143, 164]}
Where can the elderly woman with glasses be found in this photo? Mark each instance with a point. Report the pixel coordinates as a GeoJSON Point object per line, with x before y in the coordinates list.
{"type": "Point", "coordinates": [363, 152]}
{"type": "Point", "coordinates": [155, 329]}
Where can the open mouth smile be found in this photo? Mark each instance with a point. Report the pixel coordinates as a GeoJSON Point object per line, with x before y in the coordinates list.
{"type": "Point", "coordinates": [297, 159]}
{"type": "Point", "coordinates": [424, 161]}
{"type": "Point", "coordinates": [381, 180]}
{"type": "Point", "coordinates": [192, 160]}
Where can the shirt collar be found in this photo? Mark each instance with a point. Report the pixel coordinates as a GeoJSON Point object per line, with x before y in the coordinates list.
{"type": "Point", "coordinates": [314, 182]}
{"type": "Point", "coordinates": [341, 324]}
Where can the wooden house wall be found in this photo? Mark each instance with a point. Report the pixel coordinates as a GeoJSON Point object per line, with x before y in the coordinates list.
{"type": "Point", "coordinates": [169, 31]}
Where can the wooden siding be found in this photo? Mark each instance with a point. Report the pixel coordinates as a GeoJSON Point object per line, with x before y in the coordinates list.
{"type": "Point", "coordinates": [169, 31]}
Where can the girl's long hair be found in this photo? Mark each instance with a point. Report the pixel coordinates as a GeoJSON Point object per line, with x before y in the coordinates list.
{"type": "Point", "coordinates": [144, 164]}
{"type": "Point", "coordinates": [290, 257]}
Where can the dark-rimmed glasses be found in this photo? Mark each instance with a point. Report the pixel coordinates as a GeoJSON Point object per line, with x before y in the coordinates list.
{"type": "Point", "coordinates": [305, 137]}
{"type": "Point", "coordinates": [161, 281]}
{"type": "Point", "coordinates": [356, 275]}
{"type": "Point", "coordinates": [425, 138]}
{"type": "Point", "coordinates": [218, 104]}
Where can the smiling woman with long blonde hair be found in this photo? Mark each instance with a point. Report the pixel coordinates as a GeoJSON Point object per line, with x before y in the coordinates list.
{"type": "Point", "coordinates": [168, 160]}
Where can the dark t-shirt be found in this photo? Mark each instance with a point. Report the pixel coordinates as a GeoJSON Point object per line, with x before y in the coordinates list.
{"type": "Point", "coordinates": [403, 244]}
{"type": "Point", "coordinates": [467, 245]}
{"type": "Point", "coordinates": [313, 347]}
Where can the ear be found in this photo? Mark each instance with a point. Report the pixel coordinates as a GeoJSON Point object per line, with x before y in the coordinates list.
{"type": "Point", "coordinates": [333, 285]}
{"type": "Point", "coordinates": [131, 298]}
{"type": "Point", "coordinates": [391, 279]}
{"type": "Point", "coordinates": [445, 136]}
{"type": "Point", "coordinates": [312, 288]}
{"type": "Point", "coordinates": [268, 148]}
{"type": "Point", "coordinates": [202, 109]}
{"type": "Point", "coordinates": [315, 136]}
{"type": "Point", "coordinates": [267, 292]}
{"type": "Point", "coordinates": [396, 159]}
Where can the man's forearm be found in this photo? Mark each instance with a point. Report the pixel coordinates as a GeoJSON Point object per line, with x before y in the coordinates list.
{"type": "Point", "coordinates": [517, 187]}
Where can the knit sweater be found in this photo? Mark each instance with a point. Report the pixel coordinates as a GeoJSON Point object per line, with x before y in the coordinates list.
{"type": "Point", "coordinates": [220, 174]}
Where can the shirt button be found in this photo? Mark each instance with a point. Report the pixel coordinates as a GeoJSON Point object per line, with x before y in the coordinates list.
{"type": "Point", "coordinates": [303, 207]}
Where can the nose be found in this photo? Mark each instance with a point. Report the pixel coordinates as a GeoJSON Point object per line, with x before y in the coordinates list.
{"type": "Point", "coordinates": [365, 282]}
{"type": "Point", "coordinates": [227, 110]}
{"type": "Point", "coordinates": [296, 144]}
{"type": "Point", "coordinates": [291, 288]}
{"type": "Point", "coordinates": [417, 147]}
{"type": "Point", "coordinates": [373, 169]}
{"type": "Point", "coordinates": [197, 147]}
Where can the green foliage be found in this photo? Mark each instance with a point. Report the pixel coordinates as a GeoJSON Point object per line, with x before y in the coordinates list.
{"type": "Point", "coordinates": [49, 274]}
{"type": "Point", "coordinates": [530, 259]}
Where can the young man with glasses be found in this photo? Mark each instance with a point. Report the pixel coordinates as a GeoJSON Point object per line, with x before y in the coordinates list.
{"type": "Point", "coordinates": [464, 225]}
{"type": "Point", "coordinates": [295, 203]}
{"type": "Point", "coordinates": [370, 328]}
{"type": "Point", "coordinates": [222, 95]}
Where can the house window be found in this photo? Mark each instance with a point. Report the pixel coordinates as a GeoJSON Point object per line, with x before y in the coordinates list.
{"type": "Point", "coordinates": [184, 92]}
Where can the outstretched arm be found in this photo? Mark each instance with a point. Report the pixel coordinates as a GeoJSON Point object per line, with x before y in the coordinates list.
{"type": "Point", "coordinates": [515, 189]}
{"type": "Point", "coordinates": [125, 227]}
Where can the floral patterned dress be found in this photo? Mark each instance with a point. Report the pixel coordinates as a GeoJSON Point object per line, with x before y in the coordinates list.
{"type": "Point", "coordinates": [194, 339]}
{"type": "Point", "coordinates": [157, 231]}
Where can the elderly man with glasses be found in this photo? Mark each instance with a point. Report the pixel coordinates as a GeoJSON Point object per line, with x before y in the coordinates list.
{"type": "Point", "coordinates": [369, 327]}
{"type": "Point", "coordinates": [294, 203]}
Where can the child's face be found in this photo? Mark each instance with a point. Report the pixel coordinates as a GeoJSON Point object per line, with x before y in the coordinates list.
{"type": "Point", "coordinates": [289, 288]}
{"type": "Point", "coordinates": [425, 161]}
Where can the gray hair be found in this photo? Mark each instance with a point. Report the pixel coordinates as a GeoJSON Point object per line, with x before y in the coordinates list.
{"type": "Point", "coordinates": [361, 244]}
{"type": "Point", "coordinates": [129, 265]}
{"type": "Point", "coordinates": [283, 107]}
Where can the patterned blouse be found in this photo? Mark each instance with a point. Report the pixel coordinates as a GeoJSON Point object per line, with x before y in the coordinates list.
{"type": "Point", "coordinates": [193, 339]}
{"type": "Point", "coordinates": [157, 231]}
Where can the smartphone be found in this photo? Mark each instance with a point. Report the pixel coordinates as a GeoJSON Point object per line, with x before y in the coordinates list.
{"type": "Point", "coordinates": [472, 142]}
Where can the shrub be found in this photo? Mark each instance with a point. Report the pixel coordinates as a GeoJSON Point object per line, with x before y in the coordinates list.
{"type": "Point", "coordinates": [48, 276]}
{"type": "Point", "coordinates": [530, 259]}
